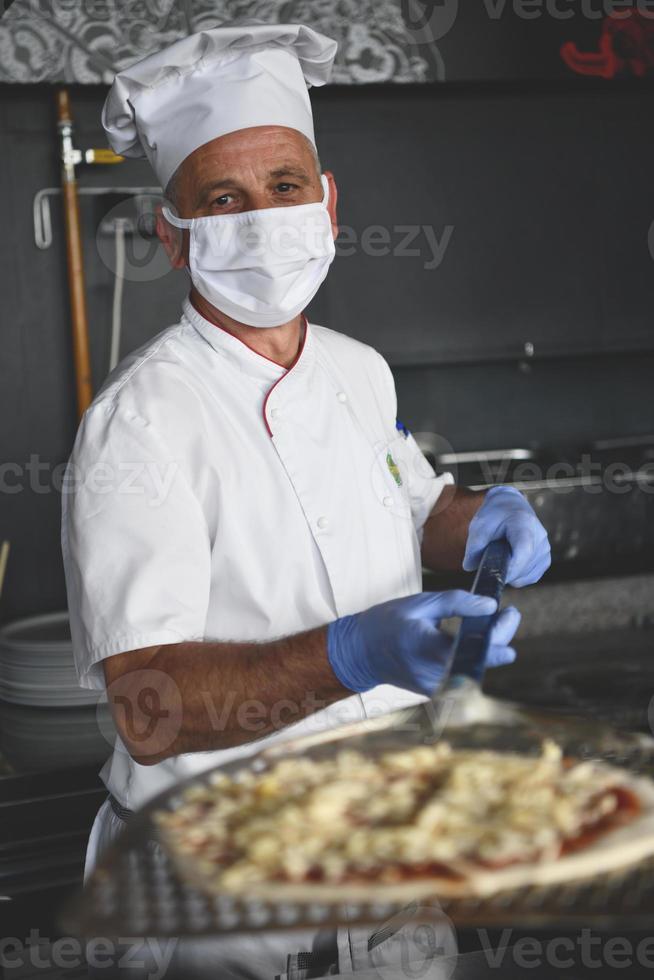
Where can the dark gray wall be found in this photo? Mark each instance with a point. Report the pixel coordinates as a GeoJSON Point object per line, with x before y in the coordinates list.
{"type": "Point", "coordinates": [37, 422]}
{"type": "Point", "coordinates": [550, 196]}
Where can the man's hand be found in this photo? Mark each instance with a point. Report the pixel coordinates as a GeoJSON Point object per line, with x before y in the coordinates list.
{"type": "Point", "coordinates": [399, 642]}
{"type": "Point", "coordinates": [505, 513]}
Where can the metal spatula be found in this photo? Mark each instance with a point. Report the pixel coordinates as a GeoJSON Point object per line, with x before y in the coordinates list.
{"type": "Point", "coordinates": [459, 701]}
{"type": "Point", "coordinates": [474, 636]}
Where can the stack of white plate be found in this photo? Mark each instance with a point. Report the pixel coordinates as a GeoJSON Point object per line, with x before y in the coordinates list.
{"type": "Point", "coordinates": [35, 739]}
{"type": "Point", "coordinates": [36, 664]}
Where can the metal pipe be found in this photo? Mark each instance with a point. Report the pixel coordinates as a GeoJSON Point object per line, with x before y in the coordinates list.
{"type": "Point", "coordinates": [74, 254]}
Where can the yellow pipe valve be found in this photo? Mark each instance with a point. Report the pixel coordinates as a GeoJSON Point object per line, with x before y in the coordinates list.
{"type": "Point", "coordinates": [102, 156]}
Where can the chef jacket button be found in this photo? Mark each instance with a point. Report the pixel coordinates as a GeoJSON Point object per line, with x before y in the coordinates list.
{"type": "Point", "coordinates": [342, 397]}
{"type": "Point", "coordinates": [322, 522]}
{"type": "Point", "coordinates": [387, 501]}
{"type": "Point", "coordinates": [274, 412]}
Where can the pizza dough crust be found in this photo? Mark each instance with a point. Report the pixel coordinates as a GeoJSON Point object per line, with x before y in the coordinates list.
{"type": "Point", "coordinates": [611, 851]}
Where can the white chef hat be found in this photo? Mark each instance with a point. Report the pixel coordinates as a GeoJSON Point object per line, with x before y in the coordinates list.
{"type": "Point", "coordinates": [212, 83]}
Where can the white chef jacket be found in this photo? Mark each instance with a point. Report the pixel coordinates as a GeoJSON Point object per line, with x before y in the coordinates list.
{"type": "Point", "coordinates": [214, 495]}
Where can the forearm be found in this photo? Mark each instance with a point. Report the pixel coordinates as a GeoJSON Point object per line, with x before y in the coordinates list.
{"type": "Point", "coordinates": [446, 529]}
{"type": "Point", "coordinates": [216, 695]}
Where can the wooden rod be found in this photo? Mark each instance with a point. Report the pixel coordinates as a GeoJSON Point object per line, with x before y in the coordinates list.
{"type": "Point", "coordinates": [74, 255]}
{"type": "Point", "coordinates": [4, 558]}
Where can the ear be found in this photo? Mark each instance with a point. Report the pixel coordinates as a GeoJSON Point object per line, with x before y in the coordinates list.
{"type": "Point", "coordinates": [331, 204]}
{"type": "Point", "coordinates": [174, 240]}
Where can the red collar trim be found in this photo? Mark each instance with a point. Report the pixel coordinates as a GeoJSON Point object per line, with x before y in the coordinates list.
{"type": "Point", "coordinates": [219, 326]}
{"type": "Point", "coordinates": [290, 368]}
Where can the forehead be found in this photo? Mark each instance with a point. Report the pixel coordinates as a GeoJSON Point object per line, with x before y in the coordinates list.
{"type": "Point", "coordinates": [252, 151]}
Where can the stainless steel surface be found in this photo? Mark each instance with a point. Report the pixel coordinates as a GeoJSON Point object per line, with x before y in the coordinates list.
{"type": "Point", "coordinates": [644, 441]}
{"type": "Point", "coordinates": [607, 675]}
{"type": "Point", "coordinates": [607, 528]}
{"type": "Point", "coordinates": [484, 456]}
{"type": "Point", "coordinates": [137, 890]}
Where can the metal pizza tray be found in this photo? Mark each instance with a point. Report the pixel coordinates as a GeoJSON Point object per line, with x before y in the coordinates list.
{"type": "Point", "coordinates": [138, 889]}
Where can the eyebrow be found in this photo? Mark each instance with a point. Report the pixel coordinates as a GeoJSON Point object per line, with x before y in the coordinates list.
{"type": "Point", "coordinates": [287, 171]}
{"type": "Point", "coordinates": [230, 182]}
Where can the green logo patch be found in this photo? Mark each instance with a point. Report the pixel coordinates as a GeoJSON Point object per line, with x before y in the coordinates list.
{"type": "Point", "coordinates": [394, 471]}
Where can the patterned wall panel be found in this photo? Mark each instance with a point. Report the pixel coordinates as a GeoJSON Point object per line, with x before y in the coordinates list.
{"type": "Point", "coordinates": [87, 41]}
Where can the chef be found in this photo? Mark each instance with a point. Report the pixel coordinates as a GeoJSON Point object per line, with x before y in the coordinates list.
{"type": "Point", "coordinates": [246, 522]}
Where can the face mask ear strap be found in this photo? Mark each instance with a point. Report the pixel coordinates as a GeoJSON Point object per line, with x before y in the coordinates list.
{"type": "Point", "coordinates": [325, 187]}
{"type": "Point", "coordinates": [174, 220]}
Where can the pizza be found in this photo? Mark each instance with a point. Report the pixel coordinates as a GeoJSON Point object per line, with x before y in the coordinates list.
{"type": "Point", "coordinates": [429, 820]}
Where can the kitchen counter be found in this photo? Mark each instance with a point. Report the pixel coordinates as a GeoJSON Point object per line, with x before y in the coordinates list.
{"type": "Point", "coordinates": [606, 675]}
{"type": "Point", "coordinates": [571, 607]}
{"type": "Point", "coordinates": [585, 606]}
{"type": "Point", "coordinates": [586, 647]}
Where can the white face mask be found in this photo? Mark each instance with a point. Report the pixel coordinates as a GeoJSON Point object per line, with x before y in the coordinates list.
{"type": "Point", "coordinates": [260, 267]}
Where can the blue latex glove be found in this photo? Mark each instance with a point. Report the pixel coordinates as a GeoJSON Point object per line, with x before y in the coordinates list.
{"type": "Point", "coordinates": [399, 642]}
{"type": "Point", "coordinates": [505, 513]}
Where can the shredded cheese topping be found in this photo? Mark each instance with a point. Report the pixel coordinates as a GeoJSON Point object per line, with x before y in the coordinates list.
{"type": "Point", "coordinates": [430, 809]}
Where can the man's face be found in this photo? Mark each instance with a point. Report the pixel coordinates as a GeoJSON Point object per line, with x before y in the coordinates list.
{"type": "Point", "coordinates": [261, 167]}
{"type": "Point", "coordinates": [264, 167]}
